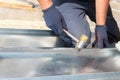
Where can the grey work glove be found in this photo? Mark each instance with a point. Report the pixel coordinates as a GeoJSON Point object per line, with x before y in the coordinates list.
{"type": "Point", "coordinates": [101, 38]}
{"type": "Point", "coordinates": [56, 22]}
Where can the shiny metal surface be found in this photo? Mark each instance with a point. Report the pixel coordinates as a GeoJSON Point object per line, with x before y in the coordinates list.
{"type": "Point", "coordinates": [59, 64]}
{"type": "Point", "coordinates": [23, 58]}
{"type": "Point", "coordinates": [28, 38]}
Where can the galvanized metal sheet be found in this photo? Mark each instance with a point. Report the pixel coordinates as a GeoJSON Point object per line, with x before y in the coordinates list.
{"type": "Point", "coordinates": [27, 55]}
{"type": "Point", "coordinates": [59, 63]}
{"type": "Point", "coordinates": [29, 38]}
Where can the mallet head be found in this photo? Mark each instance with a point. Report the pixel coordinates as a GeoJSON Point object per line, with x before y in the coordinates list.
{"type": "Point", "coordinates": [80, 44]}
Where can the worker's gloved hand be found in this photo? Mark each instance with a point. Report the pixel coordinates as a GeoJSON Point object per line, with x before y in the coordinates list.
{"type": "Point", "coordinates": [101, 38]}
{"type": "Point", "coordinates": [55, 21]}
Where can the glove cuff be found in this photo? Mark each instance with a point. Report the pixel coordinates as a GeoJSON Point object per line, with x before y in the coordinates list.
{"type": "Point", "coordinates": [101, 27]}
{"type": "Point", "coordinates": [49, 9]}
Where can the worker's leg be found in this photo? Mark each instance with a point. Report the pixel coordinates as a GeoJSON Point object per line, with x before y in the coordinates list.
{"type": "Point", "coordinates": [75, 18]}
{"type": "Point", "coordinates": [112, 27]}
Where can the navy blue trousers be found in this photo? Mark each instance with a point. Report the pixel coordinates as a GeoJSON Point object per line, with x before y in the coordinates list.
{"type": "Point", "coordinates": [75, 18]}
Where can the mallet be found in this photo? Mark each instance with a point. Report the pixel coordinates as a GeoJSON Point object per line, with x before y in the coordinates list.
{"type": "Point", "coordinates": [79, 43]}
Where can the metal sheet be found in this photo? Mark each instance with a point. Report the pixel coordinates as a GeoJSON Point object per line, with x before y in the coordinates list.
{"type": "Point", "coordinates": [59, 64]}
{"type": "Point", "coordinates": [29, 38]}
{"type": "Point", "coordinates": [23, 58]}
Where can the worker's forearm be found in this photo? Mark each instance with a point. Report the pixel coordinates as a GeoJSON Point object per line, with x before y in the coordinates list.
{"type": "Point", "coordinates": [101, 11]}
{"type": "Point", "coordinates": [45, 4]}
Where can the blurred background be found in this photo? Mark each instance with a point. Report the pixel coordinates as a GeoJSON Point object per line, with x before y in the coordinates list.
{"type": "Point", "coordinates": [26, 14]}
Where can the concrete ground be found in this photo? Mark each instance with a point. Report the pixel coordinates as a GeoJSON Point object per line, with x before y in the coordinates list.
{"type": "Point", "coordinates": [21, 14]}
{"type": "Point", "coordinates": [116, 10]}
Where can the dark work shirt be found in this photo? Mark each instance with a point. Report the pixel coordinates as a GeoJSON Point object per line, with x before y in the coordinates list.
{"type": "Point", "coordinates": [59, 2]}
